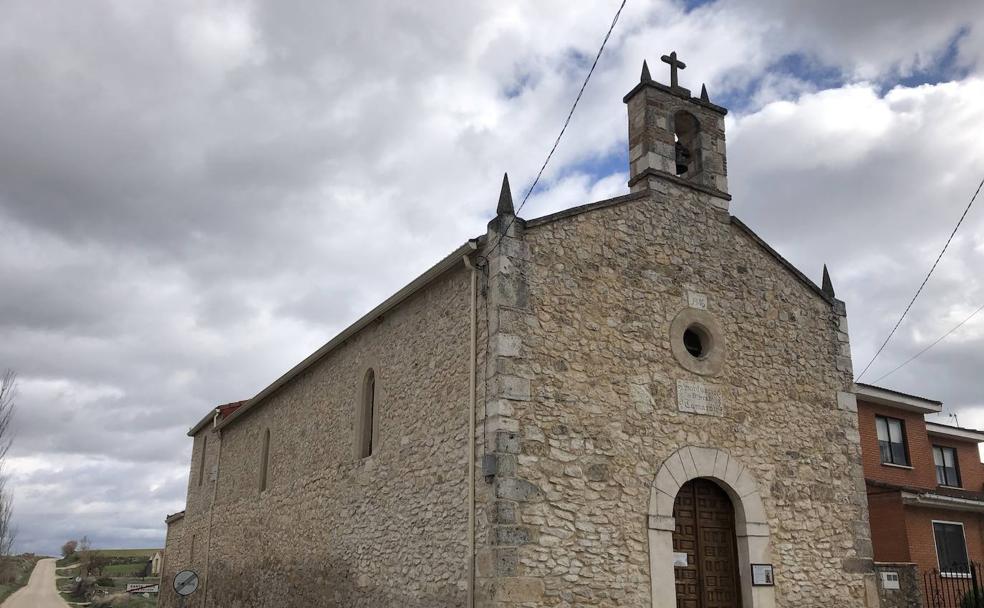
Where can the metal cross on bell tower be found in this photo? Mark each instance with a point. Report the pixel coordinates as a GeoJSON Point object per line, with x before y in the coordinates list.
{"type": "Point", "coordinates": [674, 65]}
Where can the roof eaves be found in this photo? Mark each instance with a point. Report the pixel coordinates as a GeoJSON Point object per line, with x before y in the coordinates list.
{"type": "Point", "coordinates": [205, 421]}
{"type": "Point", "coordinates": [885, 396]}
{"type": "Point", "coordinates": [954, 432]}
{"type": "Point", "coordinates": [784, 262]}
{"type": "Point", "coordinates": [611, 202]}
{"type": "Point", "coordinates": [413, 287]}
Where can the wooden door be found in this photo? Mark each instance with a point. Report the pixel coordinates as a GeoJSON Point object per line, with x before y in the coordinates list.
{"type": "Point", "coordinates": [705, 531]}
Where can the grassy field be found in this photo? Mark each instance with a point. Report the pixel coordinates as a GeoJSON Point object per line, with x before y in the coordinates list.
{"type": "Point", "coordinates": [121, 570]}
{"type": "Point", "coordinates": [148, 553]}
{"type": "Point", "coordinates": [16, 570]}
{"type": "Point", "coordinates": [120, 566]}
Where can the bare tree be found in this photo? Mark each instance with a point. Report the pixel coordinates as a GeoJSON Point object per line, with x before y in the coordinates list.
{"type": "Point", "coordinates": [8, 391]}
{"type": "Point", "coordinates": [85, 554]}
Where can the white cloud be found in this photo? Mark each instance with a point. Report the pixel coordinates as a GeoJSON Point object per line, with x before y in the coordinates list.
{"type": "Point", "coordinates": [195, 196]}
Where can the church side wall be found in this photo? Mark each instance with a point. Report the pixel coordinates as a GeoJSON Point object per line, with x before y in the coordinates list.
{"type": "Point", "coordinates": [604, 287]}
{"type": "Point", "coordinates": [336, 530]}
{"type": "Point", "coordinates": [187, 536]}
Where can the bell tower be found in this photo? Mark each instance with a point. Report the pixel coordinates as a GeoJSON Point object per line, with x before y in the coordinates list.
{"type": "Point", "coordinates": [676, 138]}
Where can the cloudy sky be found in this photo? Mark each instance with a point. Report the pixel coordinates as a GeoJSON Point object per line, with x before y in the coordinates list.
{"type": "Point", "coordinates": [194, 195]}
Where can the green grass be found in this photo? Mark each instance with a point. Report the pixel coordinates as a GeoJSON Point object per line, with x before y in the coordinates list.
{"type": "Point", "coordinates": [21, 568]}
{"type": "Point", "coordinates": [67, 561]}
{"type": "Point", "coordinates": [124, 570]}
{"type": "Point", "coordinates": [148, 553]}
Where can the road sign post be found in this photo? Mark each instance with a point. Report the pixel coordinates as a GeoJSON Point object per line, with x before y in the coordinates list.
{"type": "Point", "coordinates": [185, 583]}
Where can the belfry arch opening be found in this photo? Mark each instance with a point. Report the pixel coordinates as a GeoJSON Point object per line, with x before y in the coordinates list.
{"type": "Point", "coordinates": [686, 139]}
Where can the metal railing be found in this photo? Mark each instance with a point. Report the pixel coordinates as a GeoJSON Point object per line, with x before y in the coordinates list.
{"type": "Point", "coordinates": [960, 586]}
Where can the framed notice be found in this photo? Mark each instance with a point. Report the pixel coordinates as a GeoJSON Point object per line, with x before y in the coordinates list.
{"type": "Point", "coordinates": [762, 575]}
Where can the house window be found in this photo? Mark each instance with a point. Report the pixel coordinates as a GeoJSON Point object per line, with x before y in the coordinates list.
{"type": "Point", "coordinates": [265, 460]}
{"type": "Point", "coordinates": [891, 440]}
{"type": "Point", "coordinates": [947, 473]}
{"type": "Point", "coordinates": [951, 548]}
{"type": "Point", "coordinates": [201, 460]}
{"type": "Point", "coordinates": [367, 414]}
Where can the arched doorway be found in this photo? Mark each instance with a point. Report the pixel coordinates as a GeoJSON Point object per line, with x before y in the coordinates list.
{"type": "Point", "coordinates": [705, 534]}
{"type": "Point", "coordinates": [751, 527]}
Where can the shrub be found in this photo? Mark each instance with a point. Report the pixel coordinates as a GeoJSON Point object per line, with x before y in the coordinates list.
{"type": "Point", "coordinates": [973, 599]}
{"type": "Point", "coordinates": [69, 548]}
{"type": "Point", "coordinates": [104, 581]}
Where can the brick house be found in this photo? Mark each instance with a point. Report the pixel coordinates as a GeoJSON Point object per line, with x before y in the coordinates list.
{"type": "Point", "coordinates": [925, 484]}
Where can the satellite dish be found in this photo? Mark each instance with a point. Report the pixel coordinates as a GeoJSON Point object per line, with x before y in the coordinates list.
{"type": "Point", "coordinates": [185, 582]}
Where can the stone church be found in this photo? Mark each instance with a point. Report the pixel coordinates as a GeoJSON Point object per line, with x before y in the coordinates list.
{"type": "Point", "coordinates": [634, 402]}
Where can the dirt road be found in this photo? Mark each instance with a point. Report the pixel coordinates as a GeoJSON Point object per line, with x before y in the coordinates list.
{"type": "Point", "coordinates": [40, 591]}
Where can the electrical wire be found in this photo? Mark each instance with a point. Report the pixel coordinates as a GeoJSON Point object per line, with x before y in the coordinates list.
{"type": "Point", "coordinates": [562, 130]}
{"type": "Point", "coordinates": [938, 340]}
{"type": "Point", "coordinates": [926, 280]}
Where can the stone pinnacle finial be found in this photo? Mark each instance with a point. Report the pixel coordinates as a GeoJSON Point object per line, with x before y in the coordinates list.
{"type": "Point", "coordinates": [828, 286]}
{"type": "Point", "coordinates": [703, 93]}
{"type": "Point", "coordinates": [505, 198]}
{"type": "Point", "coordinates": [646, 77]}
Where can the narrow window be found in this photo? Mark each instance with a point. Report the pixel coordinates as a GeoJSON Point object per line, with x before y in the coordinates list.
{"type": "Point", "coordinates": [891, 440]}
{"type": "Point", "coordinates": [367, 414]}
{"type": "Point", "coordinates": [947, 472]}
{"type": "Point", "coordinates": [265, 460]}
{"type": "Point", "coordinates": [951, 548]}
{"type": "Point", "coordinates": [201, 460]}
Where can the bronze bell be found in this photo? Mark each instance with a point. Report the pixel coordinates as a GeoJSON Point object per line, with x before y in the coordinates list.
{"type": "Point", "coordinates": [682, 158]}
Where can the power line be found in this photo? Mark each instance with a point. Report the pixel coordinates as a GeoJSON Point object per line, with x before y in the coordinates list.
{"type": "Point", "coordinates": [938, 340]}
{"type": "Point", "coordinates": [926, 280]}
{"type": "Point", "coordinates": [563, 129]}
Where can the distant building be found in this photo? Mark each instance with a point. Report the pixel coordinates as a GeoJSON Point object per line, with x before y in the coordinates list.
{"type": "Point", "coordinates": [925, 485]}
{"type": "Point", "coordinates": [635, 402]}
{"type": "Point", "coordinates": [155, 563]}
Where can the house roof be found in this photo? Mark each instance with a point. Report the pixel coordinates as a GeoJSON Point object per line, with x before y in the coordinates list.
{"type": "Point", "coordinates": [954, 432]}
{"type": "Point", "coordinates": [939, 491]}
{"type": "Point", "coordinates": [885, 396]}
{"type": "Point", "coordinates": [173, 517]}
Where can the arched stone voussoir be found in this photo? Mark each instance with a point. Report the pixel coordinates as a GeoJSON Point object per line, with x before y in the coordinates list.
{"type": "Point", "coordinates": [753, 510]}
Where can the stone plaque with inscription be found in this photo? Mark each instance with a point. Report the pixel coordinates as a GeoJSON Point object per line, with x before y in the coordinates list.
{"type": "Point", "coordinates": [699, 398]}
{"type": "Point", "coordinates": [696, 300]}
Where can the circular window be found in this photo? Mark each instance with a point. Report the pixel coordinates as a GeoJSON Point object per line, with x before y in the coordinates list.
{"type": "Point", "coordinates": [697, 342]}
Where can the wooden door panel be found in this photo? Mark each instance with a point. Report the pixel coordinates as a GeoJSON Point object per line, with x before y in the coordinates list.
{"type": "Point", "coordinates": [705, 531]}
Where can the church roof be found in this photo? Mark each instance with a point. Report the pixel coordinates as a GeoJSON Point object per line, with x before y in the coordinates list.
{"type": "Point", "coordinates": [453, 259]}
{"type": "Point", "coordinates": [618, 200]}
{"type": "Point", "coordinates": [222, 411]}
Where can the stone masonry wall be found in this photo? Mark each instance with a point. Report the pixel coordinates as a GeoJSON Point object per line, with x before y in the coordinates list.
{"type": "Point", "coordinates": [334, 530]}
{"type": "Point", "coordinates": [909, 594]}
{"type": "Point", "coordinates": [603, 287]}
{"type": "Point", "coordinates": [187, 537]}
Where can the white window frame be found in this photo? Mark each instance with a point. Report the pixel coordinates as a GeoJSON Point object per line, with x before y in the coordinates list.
{"type": "Point", "coordinates": [963, 531]}
{"type": "Point", "coordinates": [956, 465]}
